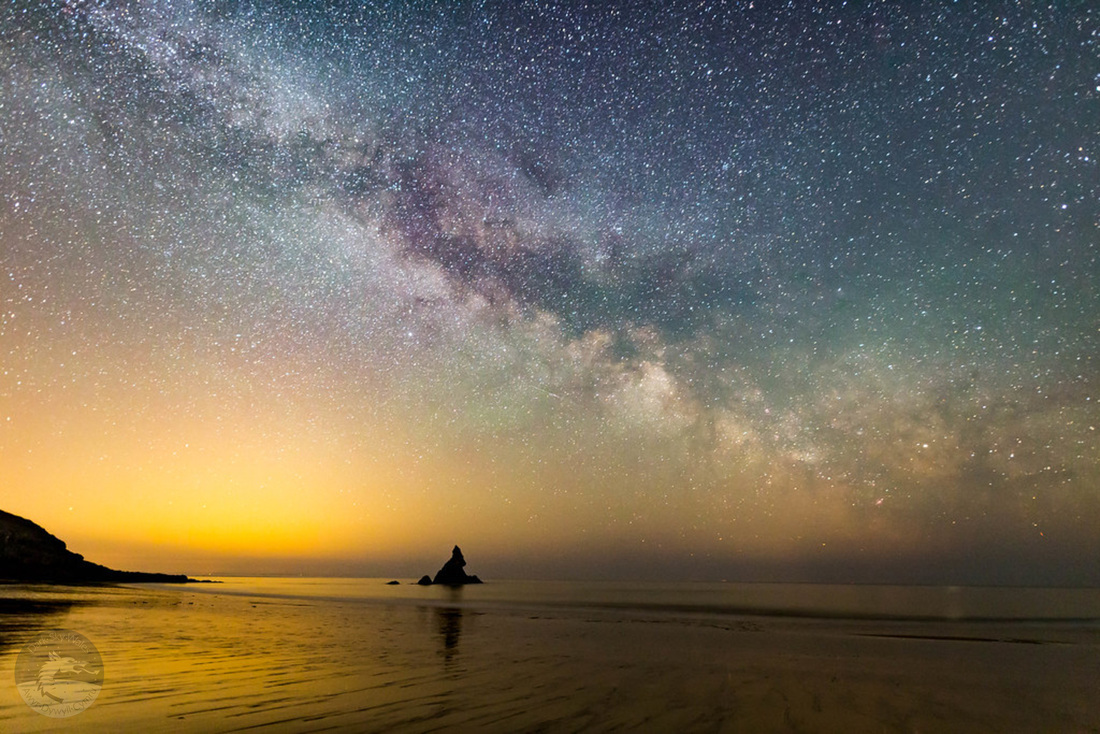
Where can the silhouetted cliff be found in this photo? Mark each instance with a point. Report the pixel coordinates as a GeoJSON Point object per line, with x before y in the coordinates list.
{"type": "Point", "coordinates": [29, 553]}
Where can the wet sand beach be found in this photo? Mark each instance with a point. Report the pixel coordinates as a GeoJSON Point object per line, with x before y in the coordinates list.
{"type": "Point", "coordinates": [224, 659]}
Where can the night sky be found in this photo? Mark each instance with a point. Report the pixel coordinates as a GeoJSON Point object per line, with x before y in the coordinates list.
{"type": "Point", "coordinates": [802, 291]}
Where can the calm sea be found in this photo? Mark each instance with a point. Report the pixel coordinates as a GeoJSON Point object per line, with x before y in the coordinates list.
{"type": "Point", "coordinates": [795, 600]}
{"type": "Point", "coordinates": [322, 654]}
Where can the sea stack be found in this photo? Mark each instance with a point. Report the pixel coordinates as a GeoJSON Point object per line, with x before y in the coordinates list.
{"type": "Point", "coordinates": [452, 573]}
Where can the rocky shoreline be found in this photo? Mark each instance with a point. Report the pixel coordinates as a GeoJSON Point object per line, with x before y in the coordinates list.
{"type": "Point", "coordinates": [28, 553]}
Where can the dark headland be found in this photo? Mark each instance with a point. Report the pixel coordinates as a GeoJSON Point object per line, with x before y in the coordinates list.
{"type": "Point", "coordinates": [452, 573]}
{"type": "Point", "coordinates": [29, 553]}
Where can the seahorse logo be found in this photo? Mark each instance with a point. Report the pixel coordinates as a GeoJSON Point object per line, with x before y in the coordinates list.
{"type": "Point", "coordinates": [59, 673]}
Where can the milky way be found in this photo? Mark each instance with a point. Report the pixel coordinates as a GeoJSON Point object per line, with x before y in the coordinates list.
{"type": "Point", "coordinates": [724, 289]}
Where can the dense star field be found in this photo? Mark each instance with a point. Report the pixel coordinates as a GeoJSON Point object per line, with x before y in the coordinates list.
{"type": "Point", "coordinates": [743, 290]}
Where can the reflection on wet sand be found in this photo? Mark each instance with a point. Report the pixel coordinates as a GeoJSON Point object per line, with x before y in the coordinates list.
{"type": "Point", "coordinates": [184, 660]}
{"type": "Point", "coordinates": [449, 621]}
{"type": "Point", "coordinates": [23, 619]}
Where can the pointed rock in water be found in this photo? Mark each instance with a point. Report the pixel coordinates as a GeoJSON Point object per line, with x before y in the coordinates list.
{"type": "Point", "coordinates": [452, 574]}
{"type": "Point", "coordinates": [425, 580]}
{"type": "Point", "coordinates": [393, 583]}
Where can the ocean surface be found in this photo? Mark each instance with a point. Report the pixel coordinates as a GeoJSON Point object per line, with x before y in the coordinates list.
{"type": "Point", "coordinates": [321, 654]}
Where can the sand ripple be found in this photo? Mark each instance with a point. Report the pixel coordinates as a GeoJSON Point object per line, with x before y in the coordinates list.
{"type": "Point", "coordinates": [177, 660]}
